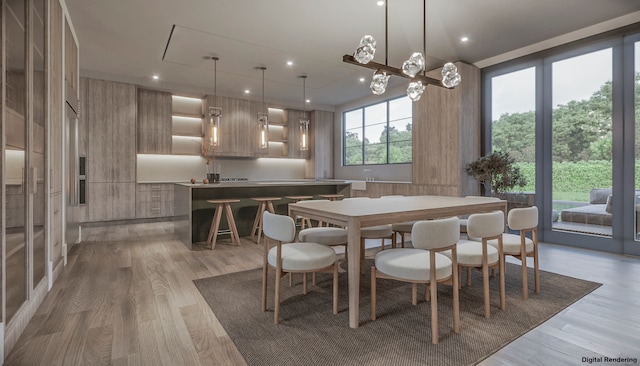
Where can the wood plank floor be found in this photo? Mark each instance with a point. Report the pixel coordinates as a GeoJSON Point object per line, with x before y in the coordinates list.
{"type": "Point", "coordinates": [126, 297]}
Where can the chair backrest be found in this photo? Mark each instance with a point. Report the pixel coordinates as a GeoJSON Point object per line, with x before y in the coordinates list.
{"type": "Point", "coordinates": [523, 218]}
{"type": "Point", "coordinates": [434, 234]}
{"type": "Point", "coordinates": [485, 225]}
{"type": "Point", "coordinates": [278, 227]}
{"type": "Point", "coordinates": [392, 196]}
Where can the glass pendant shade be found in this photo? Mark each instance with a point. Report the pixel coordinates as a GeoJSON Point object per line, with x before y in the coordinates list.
{"type": "Point", "coordinates": [415, 90]}
{"type": "Point", "coordinates": [263, 127]}
{"type": "Point", "coordinates": [304, 134]}
{"type": "Point", "coordinates": [413, 65]}
{"type": "Point", "coordinates": [450, 76]}
{"type": "Point", "coordinates": [379, 82]}
{"type": "Point", "coordinates": [366, 50]}
{"type": "Point", "coordinates": [213, 130]}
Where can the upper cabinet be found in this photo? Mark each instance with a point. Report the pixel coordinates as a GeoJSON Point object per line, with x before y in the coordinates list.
{"type": "Point", "coordinates": [239, 132]}
{"type": "Point", "coordinates": [154, 122]}
{"type": "Point", "coordinates": [71, 58]}
{"type": "Point", "coordinates": [293, 118]}
{"type": "Point", "coordinates": [186, 125]}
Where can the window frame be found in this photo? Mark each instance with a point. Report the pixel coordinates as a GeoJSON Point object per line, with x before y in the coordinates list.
{"type": "Point", "coordinates": [363, 127]}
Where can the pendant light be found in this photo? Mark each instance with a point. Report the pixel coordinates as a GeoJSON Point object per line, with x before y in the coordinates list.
{"type": "Point", "coordinates": [414, 68]}
{"type": "Point", "coordinates": [263, 119]}
{"type": "Point", "coordinates": [214, 112]}
{"type": "Point", "coordinates": [304, 121]}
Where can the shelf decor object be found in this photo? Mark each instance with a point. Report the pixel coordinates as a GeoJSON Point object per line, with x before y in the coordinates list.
{"type": "Point", "coordinates": [304, 121]}
{"type": "Point", "coordinates": [263, 119]}
{"type": "Point", "coordinates": [414, 68]}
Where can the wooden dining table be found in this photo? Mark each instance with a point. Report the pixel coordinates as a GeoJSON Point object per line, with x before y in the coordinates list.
{"type": "Point", "coordinates": [356, 214]}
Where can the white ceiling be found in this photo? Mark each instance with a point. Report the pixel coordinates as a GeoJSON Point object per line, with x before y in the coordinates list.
{"type": "Point", "coordinates": [131, 40]}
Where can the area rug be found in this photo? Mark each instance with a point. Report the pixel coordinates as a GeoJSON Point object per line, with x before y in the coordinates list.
{"type": "Point", "coordinates": [309, 334]}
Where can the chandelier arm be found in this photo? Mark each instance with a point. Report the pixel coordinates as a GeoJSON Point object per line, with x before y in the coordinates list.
{"type": "Point", "coordinates": [392, 71]}
{"type": "Point", "coordinates": [386, 32]}
{"type": "Point", "coordinates": [424, 35]}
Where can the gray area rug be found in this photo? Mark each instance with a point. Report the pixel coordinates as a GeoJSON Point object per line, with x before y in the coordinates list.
{"type": "Point", "coordinates": [309, 334]}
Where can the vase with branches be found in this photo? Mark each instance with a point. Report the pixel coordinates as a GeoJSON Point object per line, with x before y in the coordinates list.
{"type": "Point", "coordinates": [496, 171]}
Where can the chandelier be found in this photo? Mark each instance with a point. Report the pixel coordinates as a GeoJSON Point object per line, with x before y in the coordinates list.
{"type": "Point", "coordinates": [413, 68]}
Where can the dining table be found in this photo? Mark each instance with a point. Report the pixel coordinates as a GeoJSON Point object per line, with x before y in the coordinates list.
{"type": "Point", "coordinates": [356, 214]}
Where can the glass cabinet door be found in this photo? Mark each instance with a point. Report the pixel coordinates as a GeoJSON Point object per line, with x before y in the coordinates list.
{"type": "Point", "coordinates": [15, 156]}
{"type": "Point", "coordinates": [38, 133]}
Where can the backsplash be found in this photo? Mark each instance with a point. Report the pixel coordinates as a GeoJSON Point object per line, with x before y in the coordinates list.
{"type": "Point", "coordinates": [178, 168]}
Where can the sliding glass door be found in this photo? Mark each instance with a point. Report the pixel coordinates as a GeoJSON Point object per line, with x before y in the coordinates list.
{"type": "Point", "coordinates": [571, 119]}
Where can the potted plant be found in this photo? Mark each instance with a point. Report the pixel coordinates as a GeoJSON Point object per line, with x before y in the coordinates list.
{"type": "Point", "coordinates": [496, 172]}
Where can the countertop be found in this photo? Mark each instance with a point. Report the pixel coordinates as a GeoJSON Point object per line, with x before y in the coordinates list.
{"type": "Point", "coordinates": [293, 182]}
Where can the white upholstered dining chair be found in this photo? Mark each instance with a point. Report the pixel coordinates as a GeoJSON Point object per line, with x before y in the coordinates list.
{"type": "Point", "coordinates": [423, 264]}
{"type": "Point", "coordinates": [288, 257]}
{"type": "Point", "coordinates": [477, 253]}
{"type": "Point", "coordinates": [463, 219]}
{"type": "Point", "coordinates": [519, 246]}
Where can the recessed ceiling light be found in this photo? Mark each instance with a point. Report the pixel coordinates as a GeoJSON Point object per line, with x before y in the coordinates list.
{"type": "Point", "coordinates": [247, 91]}
{"type": "Point", "coordinates": [156, 77]}
{"type": "Point", "coordinates": [380, 3]}
{"type": "Point", "coordinates": [308, 100]}
{"type": "Point", "coordinates": [362, 80]}
{"type": "Point", "coordinates": [464, 39]}
{"type": "Point", "coordinates": [289, 63]}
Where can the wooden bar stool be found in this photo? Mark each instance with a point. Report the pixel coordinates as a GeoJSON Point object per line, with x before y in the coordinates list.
{"type": "Point", "coordinates": [303, 220]}
{"type": "Point", "coordinates": [266, 204]}
{"type": "Point", "coordinates": [332, 197]}
{"type": "Point", "coordinates": [223, 205]}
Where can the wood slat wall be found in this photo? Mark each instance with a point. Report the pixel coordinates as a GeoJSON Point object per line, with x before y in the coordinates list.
{"type": "Point", "coordinates": [320, 163]}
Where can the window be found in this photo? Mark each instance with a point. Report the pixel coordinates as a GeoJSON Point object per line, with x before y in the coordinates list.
{"type": "Point", "coordinates": [378, 134]}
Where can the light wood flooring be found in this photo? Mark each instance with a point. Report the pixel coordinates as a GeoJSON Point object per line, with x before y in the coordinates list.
{"type": "Point", "coordinates": [126, 297]}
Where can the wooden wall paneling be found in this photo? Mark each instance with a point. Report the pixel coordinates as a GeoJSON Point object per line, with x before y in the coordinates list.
{"type": "Point", "coordinates": [446, 134]}
{"type": "Point", "coordinates": [97, 110]}
{"type": "Point", "coordinates": [123, 111]}
{"type": "Point", "coordinates": [99, 203]}
{"type": "Point", "coordinates": [123, 198]}
{"type": "Point", "coordinates": [320, 164]}
{"type": "Point", "coordinates": [154, 122]}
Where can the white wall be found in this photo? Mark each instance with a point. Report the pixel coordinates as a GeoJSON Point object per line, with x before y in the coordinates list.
{"type": "Point", "coordinates": [181, 168]}
{"type": "Point", "coordinates": [395, 172]}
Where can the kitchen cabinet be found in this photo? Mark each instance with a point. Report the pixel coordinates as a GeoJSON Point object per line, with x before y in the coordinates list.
{"type": "Point", "coordinates": [320, 162]}
{"type": "Point", "coordinates": [186, 125]}
{"type": "Point", "coordinates": [110, 117]}
{"type": "Point", "coordinates": [154, 122]}
{"type": "Point", "coordinates": [154, 200]}
{"type": "Point", "coordinates": [238, 127]}
{"type": "Point", "coordinates": [292, 118]}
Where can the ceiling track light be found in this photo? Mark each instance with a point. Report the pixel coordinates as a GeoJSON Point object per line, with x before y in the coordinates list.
{"type": "Point", "coordinates": [414, 68]}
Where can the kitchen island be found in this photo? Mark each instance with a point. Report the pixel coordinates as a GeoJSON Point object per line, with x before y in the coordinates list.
{"type": "Point", "coordinates": [193, 214]}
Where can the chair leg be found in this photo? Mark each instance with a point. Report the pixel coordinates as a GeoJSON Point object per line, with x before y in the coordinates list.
{"type": "Point", "coordinates": [362, 255]}
{"type": "Point", "coordinates": [232, 224]}
{"type": "Point", "coordinates": [434, 311]}
{"type": "Point", "coordinates": [414, 294]}
{"type": "Point", "coordinates": [276, 312]}
{"type": "Point", "coordinates": [257, 220]}
{"type": "Point", "coordinates": [313, 278]}
{"type": "Point", "coordinates": [335, 288]}
{"type": "Point", "coordinates": [456, 301]}
{"type": "Point", "coordinates": [305, 286]}
{"type": "Point", "coordinates": [373, 293]}
{"type": "Point", "coordinates": [523, 263]}
{"type": "Point", "coordinates": [536, 273]}
{"type": "Point", "coordinates": [485, 280]}
{"type": "Point", "coordinates": [265, 272]}
{"type": "Point", "coordinates": [215, 225]}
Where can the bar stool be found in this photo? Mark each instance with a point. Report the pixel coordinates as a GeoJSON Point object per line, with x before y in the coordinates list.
{"type": "Point", "coordinates": [266, 204]}
{"type": "Point", "coordinates": [223, 205]}
{"type": "Point", "coordinates": [303, 220]}
{"type": "Point", "coordinates": [332, 197]}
